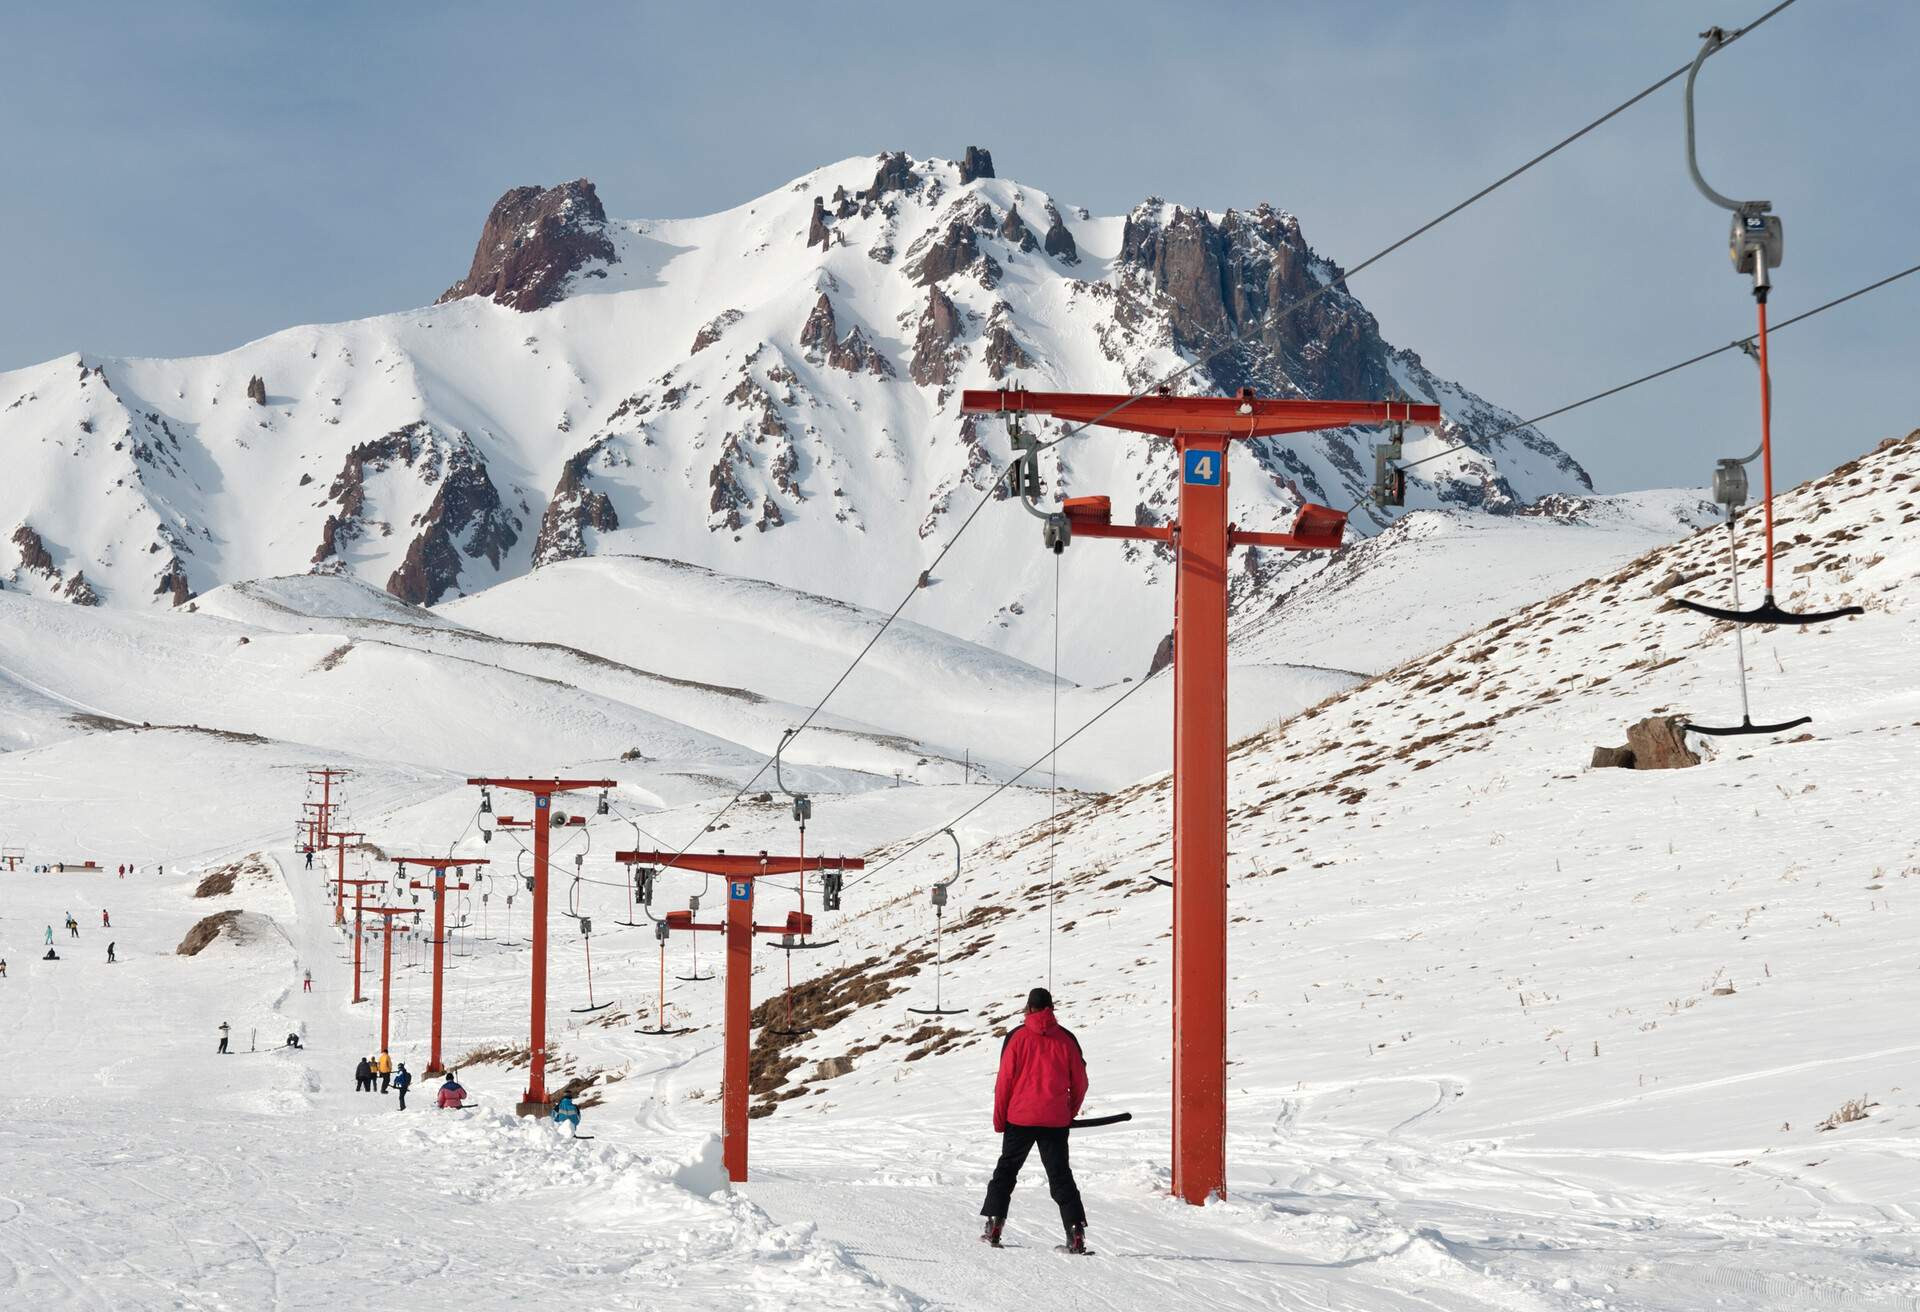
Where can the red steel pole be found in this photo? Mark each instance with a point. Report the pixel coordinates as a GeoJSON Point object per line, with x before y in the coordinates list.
{"type": "Point", "coordinates": [386, 965]}
{"type": "Point", "coordinates": [739, 1023]}
{"type": "Point", "coordinates": [535, 1101]}
{"type": "Point", "coordinates": [439, 887]}
{"type": "Point", "coordinates": [1200, 823]}
{"type": "Point", "coordinates": [360, 886]}
{"type": "Point", "coordinates": [340, 895]}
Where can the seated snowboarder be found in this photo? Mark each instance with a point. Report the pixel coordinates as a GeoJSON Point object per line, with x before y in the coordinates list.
{"type": "Point", "coordinates": [51, 955]}
{"type": "Point", "coordinates": [1042, 1083]}
{"type": "Point", "coordinates": [451, 1094]}
{"type": "Point", "coordinates": [293, 1040]}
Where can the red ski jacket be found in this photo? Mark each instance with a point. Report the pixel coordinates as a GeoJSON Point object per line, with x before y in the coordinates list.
{"type": "Point", "coordinates": [1043, 1077]}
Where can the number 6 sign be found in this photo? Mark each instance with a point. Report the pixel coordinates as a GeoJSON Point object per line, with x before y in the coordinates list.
{"type": "Point", "coordinates": [1202, 467]}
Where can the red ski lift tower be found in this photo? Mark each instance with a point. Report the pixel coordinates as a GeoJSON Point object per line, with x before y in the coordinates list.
{"type": "Point", "coordinates": [326, 778]}
{"type": "Point", "coordinates": [340, 876]}
{"type": "Point", "coordinates": [535, 1102]}
{"type": "Point", "coordinates": [740, 873]}
{"type": "Point", "coordinates": [360, 887]}
{"type": "Point", "coordinates": [439, 866]}
{"type": "Point", "coordinates": [386, 915]}
{"type": "Point", "coordinates": [311, 825]}
{"type": "Point", "coordinates": [1201, 429]}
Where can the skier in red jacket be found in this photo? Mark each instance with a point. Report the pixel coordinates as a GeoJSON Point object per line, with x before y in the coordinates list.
{"type": "Point", "coordinates": [1043, 1081]}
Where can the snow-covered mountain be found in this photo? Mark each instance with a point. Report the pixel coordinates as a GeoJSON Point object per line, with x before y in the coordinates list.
{"type": "Point", "coordinates": [771, 391]}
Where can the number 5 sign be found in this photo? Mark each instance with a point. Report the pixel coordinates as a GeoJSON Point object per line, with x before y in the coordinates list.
{"type": "Point", "coordinates": [1202, 468]}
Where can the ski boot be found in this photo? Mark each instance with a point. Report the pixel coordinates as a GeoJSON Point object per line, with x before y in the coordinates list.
{"type": "Point", "coordinates": [1076, 1241]}
{"type": "Point", "coordinates": [991, 1235]}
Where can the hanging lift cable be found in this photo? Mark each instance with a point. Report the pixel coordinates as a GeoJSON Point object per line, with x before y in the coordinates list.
{"type": "Point", "coordinates": [1597, 396]}
{"type": "Point", "coordinates": [1293, 308]}
{"type": "Point", "coordinates": [1740, 344]}
{"type": "Point", "coordinates": [1176, 374]}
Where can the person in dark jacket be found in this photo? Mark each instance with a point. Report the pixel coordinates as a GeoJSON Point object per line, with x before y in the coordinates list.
{"type": "Point", "coordinates": [363, 1076]}
{"type": "Point", "coordinates": [402, 1081]}
{"type": "Point", "coordinates": [1042, 1083]}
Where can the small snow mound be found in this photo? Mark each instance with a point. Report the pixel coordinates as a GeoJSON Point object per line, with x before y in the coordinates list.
{"type": "Point", "coordinates": [704, 1174]}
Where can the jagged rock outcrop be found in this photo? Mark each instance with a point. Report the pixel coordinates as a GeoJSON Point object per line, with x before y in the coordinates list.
{"type": "Point", "coordinates": [533, 242]}
{"type": "Point", "coordinates": [844, 206]}
{"type": "Point", "coordinates": [957, 248]}
{"type": "Point", "coordinates": [894, 174]}
{"type": "Point", "coordinates": [935, 362]}
{"type": "Point", "coordinates": [466, 506]}
{"type": "Point", "coordinates": [714, 329]}
{"type": "Point", "coordinates": [33, 552]}
{"type": "Point", "coordinates": [851, 354]}
{"type": "Point", "coordinates": [1015, 230]}
{"type": "Point", "coordinates": [575, 508]}
{"type": "Point", "coordinates": [1059, 242]}
{"type": "Point", "coordinates": [257, 390]}
{"type": "Point", "coordinates": [79, 591]}
{"type": "Point", "coordinates": [818, 234]}
{"type": "Point", "coordinates": [465, 516]}
{"type": "Point", "coordinates": [976, 163]}
{"type": "Point", "coordinates": [174, 581]}
{"type": "Point", "coordinates": [1003, 350]}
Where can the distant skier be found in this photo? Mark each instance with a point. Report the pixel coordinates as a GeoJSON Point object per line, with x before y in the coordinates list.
{"type": "Point", "coordinates": [293, 1039]}
{"type": "Point", "coordinates": [1042, 1083]}
{"type": "Point", "coordinates": [452, 1094]}
{"type": "Point", "coordinates": [363, 1076]}
{"type": "Point", "coordinates": [384, 1064]}
{"type": "Point", "coordinates": [121, 870]}
{"type": "Point", "coordinates": [3, 967]}
{"type": "Point", "coordinates": [309, 855]}
{"type": "Point", "coordinates": [306, 983]}
{"type": "Point", "coordinates": [55, 956]}
{"type": "Point", "coordinates": [73, 928]}
{"type": "Point", "coordinates": [104, 922]}
{"type": "Point", "coordinates": [402, 1081]}
{"type": "Point", "coordinates": [110, 957]}
{"type": "Point", "coordinates": [566, 1112]}
{"type": "Point", "coordinates": [224, 1028]}
{"type": "Point", "coordinates": [49, 933]}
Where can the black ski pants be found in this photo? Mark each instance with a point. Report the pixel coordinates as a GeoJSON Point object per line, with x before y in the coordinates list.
{"type": "Point", "coordinates": [223, 1043]}
{"type": "Point", "coordinates": [403, 1097]}
{"type": "Point", "coordinates": [1015, 1144]}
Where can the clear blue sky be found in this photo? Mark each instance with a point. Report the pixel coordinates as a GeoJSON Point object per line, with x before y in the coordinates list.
{"type": "Point", "coordinates": [184, 177]}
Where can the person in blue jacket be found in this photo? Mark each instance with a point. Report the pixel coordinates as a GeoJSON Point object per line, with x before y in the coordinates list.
{"type": "Point", "coordinates": [565, 1111]}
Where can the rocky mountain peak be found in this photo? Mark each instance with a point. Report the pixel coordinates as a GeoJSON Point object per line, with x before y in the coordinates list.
{"type": "Point", "coordinates": [534, 241]}
{"type": "Point", "coordinates": [976, 163]}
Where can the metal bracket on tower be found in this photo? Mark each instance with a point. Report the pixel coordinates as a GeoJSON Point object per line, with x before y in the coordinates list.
{"type": "Point", "coordinates": [802, 804]}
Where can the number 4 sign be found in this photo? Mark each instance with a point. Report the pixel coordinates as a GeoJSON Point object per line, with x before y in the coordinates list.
{"type": "Point", "coordinates": [1202, 468]}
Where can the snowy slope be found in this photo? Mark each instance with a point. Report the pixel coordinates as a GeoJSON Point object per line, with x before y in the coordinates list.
{"type": "Point", "coordinates": [725, 392]}
{"type": "Point", "coordinates": [1507, 1032]}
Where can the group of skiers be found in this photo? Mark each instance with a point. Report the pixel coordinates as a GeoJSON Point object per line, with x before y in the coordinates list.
{"type": "Point", "coordinates": [394, 1077]}
{"type": "Point", "coordinates": [72, 927]}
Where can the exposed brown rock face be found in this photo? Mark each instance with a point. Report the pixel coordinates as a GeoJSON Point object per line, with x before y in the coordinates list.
{"type": "Point", "coordinates": [976, 163]}
{"type": "Point", "coordinates": [1162, 656]}
{"type": "Point", "coordinates": [818, 234]}
{"type": "Point", "coordinates": [465, 506]}
{"type": "Point", "coordinates": [956, 249]}
{"type": "Point", "coordinates": [851, 354]}
{"type": "Point", "coordinates": [714, 329]}
{"type": "Point", "coordinates": [1059, 242]}
{"type": "Point", "coordinates": [257, 390]}
{"type": "Point", "coordinates": [174, 580]}
{"type": "Point", "coordinates": [574, 509]}
{"type": "Point", "coordinates": [79, 591]}
{"type": "Point", "coordinates": [895, 174]}
{"type": "Point", "coordinates": [206, 931]}
{"type": "Point", "coordinates": [533, 242]}
{"type": "Point", "coordinates": [1229, 285]}
{"type": "Point", "coordinates": [1016, 231]}
{"type": "Point", "coordinates": [1004, 351]}
{"type": "Point", "coordinates": [843, 204]}
{"type": "Point", "coordinates": [934, 360]}
{"type": "Point", "coordinates": [33, 552]}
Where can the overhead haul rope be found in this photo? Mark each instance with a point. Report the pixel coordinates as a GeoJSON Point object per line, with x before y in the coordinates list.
{"type": "Point", "coordinates": [1740, 344]}
{"type": "Point", "coordinates": [1174, 376]}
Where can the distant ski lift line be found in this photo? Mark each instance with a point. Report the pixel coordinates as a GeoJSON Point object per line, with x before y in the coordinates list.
{"type": "Point", "coordinates": [1734, 35]}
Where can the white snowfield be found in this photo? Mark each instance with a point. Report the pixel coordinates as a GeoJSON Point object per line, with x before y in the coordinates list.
{"type": "Point", "coordinates": [677, 379]}
{"type": "Point", "coordinates": [1507, 1032]}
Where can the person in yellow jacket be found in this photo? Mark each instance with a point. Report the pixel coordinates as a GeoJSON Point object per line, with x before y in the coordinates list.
{"type": "Point", "coordinates": [384, 1068]}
